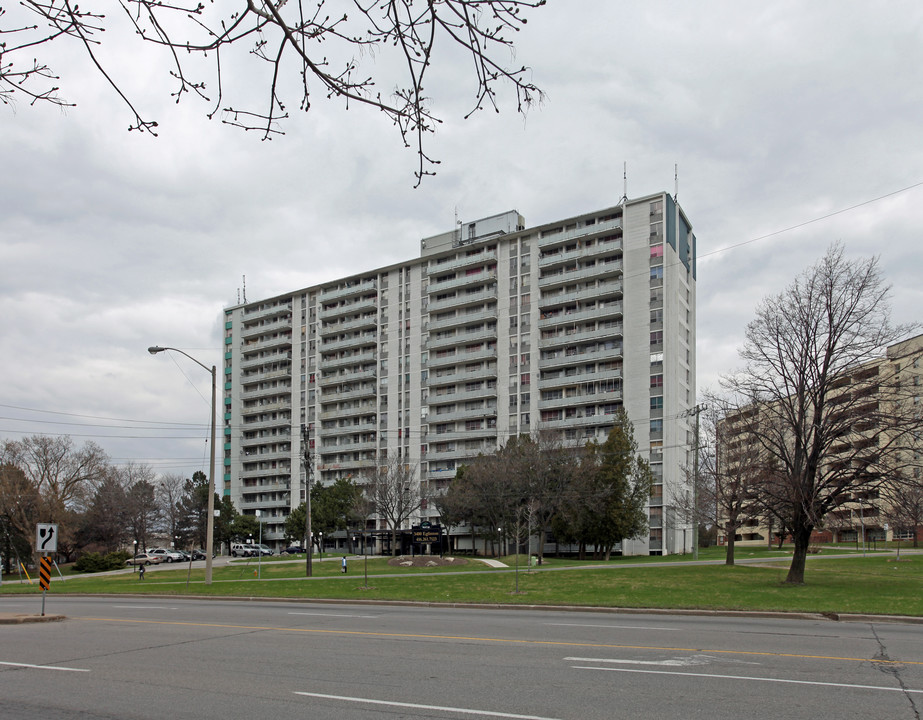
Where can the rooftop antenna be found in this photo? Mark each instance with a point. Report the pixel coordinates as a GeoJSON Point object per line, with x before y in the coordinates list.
{"type": "Point", "coordinates": [675, 182]}
{"type": "Point", "coordinates": [624, 183]}
{"type": "Point", "coordinates": [245, 288]}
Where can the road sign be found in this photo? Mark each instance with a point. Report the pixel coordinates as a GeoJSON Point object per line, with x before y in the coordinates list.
{"type": "Point", "coordinates": [44, 573]}
{"type": "Point", "coordinates": [46, 538]}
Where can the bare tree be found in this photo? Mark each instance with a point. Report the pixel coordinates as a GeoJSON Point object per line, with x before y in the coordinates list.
{"type": "Point", "coordinates": [903, 501]}
{"type": "Point", "coordinates": [63, 478]}
{"type": "Point", "coordinates": [730, 467]}
{"type": "Point", "coordinates": [170, 492]}
{"type": "Point", "coordinates": [392, 492]}
{"type": "Point", "coordinates": [301, 49]}
{"type": "Point", "coordinates": [830, 419]}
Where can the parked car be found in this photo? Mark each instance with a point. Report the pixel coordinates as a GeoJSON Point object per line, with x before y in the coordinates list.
{"type": "Point", "coordinates": [143, 559]}
{"type": "Point", "coordinates": [167, 555]}
{"type": "Point", "coordinates": [260, 549]}
{"type": "Point", "coordinates": [198, 554]}
{"type": "Point", "coordinates": [292, 550]}
{"type": "Point", "coordinates": [241, 550]}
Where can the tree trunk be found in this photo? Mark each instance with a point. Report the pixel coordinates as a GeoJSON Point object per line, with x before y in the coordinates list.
{"type": "Point", "coordinates": [802, 538]}
{"type": "Point", "coordinates": [729, 556]}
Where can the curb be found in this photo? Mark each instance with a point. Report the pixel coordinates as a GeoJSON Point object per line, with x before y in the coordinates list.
{"type": "Point", "coordinates": [10, 619]}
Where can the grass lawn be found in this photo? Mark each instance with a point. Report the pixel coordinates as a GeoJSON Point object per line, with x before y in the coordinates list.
{"type": "Point", "coordinates": [858, 584]}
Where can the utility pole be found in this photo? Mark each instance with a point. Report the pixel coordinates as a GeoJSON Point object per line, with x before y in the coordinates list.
{"type": "Point", "coordinates": [307, 460]}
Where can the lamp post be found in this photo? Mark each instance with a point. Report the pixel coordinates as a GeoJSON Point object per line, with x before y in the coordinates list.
{"type": "Point", "coordinates": [210, 505]}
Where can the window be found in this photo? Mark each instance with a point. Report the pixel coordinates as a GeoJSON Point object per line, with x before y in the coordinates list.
{"type": "Point", "coordinates": [656, 251]}
{"type": "Point", "coordinates": [524, 379]}
{"type": "Point", "coordinates": [656, 381]}
{"type": "Point", "coordinates": [657, 403]}
{"type": "Point", "coordinates": [657, 272]}
{"type": "Point", "coordinates": [657, 337]}
{"type": "Point", "coordinates": [656, 426]}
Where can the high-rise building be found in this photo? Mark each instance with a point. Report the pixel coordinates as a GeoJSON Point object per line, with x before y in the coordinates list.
{"type": "Point", "coordinates": [495, 330]}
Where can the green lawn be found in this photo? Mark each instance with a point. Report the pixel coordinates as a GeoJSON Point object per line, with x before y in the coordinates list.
{"type": "Point", "coordinates": [857, 584]}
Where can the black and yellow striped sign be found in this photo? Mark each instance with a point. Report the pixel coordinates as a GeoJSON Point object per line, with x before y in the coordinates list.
{"type": "Point", "coordinates": [44, 573]}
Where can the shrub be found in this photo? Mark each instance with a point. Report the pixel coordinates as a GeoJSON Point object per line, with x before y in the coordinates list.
{"type": "Point", "coordinates": [95, 562]}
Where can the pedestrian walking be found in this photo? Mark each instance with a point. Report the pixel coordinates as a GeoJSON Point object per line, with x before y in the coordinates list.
{"type": "Point", "coordinates": [343, 564]}
{"type": "Point", "coordinates": [141, 572]}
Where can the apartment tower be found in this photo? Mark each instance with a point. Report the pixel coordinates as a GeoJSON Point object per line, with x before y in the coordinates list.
{"type": "Point", "coordinates": [496, 329]}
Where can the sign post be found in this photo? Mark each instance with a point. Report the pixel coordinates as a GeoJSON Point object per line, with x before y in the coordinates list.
{"type": "Point", "coordinates": [46, 541]}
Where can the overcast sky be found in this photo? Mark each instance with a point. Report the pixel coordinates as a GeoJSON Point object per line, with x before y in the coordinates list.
{"type": "Point", "coordinates": [777, 114]}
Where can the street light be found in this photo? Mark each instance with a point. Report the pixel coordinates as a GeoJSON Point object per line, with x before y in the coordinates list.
{"type": "Point", "coordinates": [210, 505]}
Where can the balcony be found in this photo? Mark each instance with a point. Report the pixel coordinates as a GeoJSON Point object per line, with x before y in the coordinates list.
{"type": "Point", "coordinates": [249, 378]}
{"type": "Point", "coordinates": [348, 429]}
{"type": "Point", "coordinates": [488, 256]}
{"type": "Point", "coordinates": [357, 306]}
{"type": "Point", "coordinates": [460, 357]}
{"type": "Point", "coordinates": [369, 338]}
{"type": "Point", "coordinates": [467, 318]}
{"type": "Point", "coordinates": [340, 378]}
{"type": "Point", "coordinates": [360, 358]}
{"type": "Point", "coordinates": [613, 288]}
{"type": "Point", "coordinates": [257, 359]}
{"type": "Point", "coordinates": [462, 299]}
{"type": "Point", "coordinates": [603, 396]}
{"type": "Point", "coordinates": [264, 407]}
{"type": "Point", "coordinates": [251, 314]}
{"type": "Point", "coordinates": [579, 378]}
{"type": "Point", "coordinates": [365, 322]}
{"type": "Point", "coordinates": [461, 338]}
{"type": "Point", "coordinates": [549, 260]}
{"type": "Point", "coordinates": [550, 238]}
{"type": "Point", "coordinates": [283, 340]}
{"type": "Point", "coordinates": [601, 269]}
{"type": "Point", "coordinates": [602, 312]}
{"type": "Point", "coordinates": [435, 417]}
{"type": "Point", "coordinates": [562, 339]}
{"type": "Point", "coordinates": [462, 281]}
{"type": "Point", "coordinates": [257, 329]}
{"type": "Point", "coordinates": [367, 390]}
{"type": "Point", "coordinates": [358, 288]}
{"type": "Point", "coordinates": [583, 355]}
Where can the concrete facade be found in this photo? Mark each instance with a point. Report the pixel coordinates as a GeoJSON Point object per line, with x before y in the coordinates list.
{"type": "Point", "coordinates": [496, 329]}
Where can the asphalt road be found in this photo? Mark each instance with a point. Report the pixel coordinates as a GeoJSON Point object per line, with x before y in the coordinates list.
{"type": "Point", "coordinates": [158, 659]}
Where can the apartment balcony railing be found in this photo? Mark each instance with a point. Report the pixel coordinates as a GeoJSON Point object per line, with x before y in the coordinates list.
{"type": "Point", "coordinates": [369, 320]}
{"type": "Point", "coordinates": [357, 306]}
{"type": "Point", "coordinates": [582, 356]}
{"type": "Point", "coordinates": [579, 378]}
{"type": "Point", "coordinates": [462, 299]}
{"type": "Point", "coordinates": [466, 261]}
{"type": "Point", "coordinates": [547, 260]}
{"type": "Point", "coordinates": [249, 314]}
{"type": "Point", "coordinates": [462, 281]}
{"type": "Point", "coordinates": [359, 288]}
{"type": "Point", "coordinates": [461, 338]}
{"type": "Point", "coordinates": [563, 339]}
{"type": "Point", "coordinates": [257, 329]}
{"type": "Point", "coordinates": [550, 238]}
{"type": "Point", "coordinates": [328, 363]}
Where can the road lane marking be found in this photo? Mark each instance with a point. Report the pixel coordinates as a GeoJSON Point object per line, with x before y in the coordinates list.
{"type": "Point", "coordinates": [334, 615]}
{"type": "Point", "coordinates": [755, 679]}
{"type": "Point", "coordinates": [44, 667]}
{"type": "Point", "coordinates": [143, 607]}
{"type": "Point", "coordinates": [415, 706]}
{"type": "Point", "coordinates": [672, 662]}
{"type": "Point", "coordinates": [608, 627]}
{"type": "Point", "coordinates": [508, 641]}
